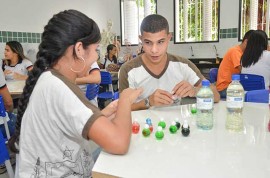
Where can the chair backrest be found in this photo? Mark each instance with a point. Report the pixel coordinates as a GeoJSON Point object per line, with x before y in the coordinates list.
{"type": "Point", "coordinates": [4, 116]}
{"type": "Point", "coordinates": [92, 91]}
{"type": "Point", "coordinates": [252, 82]}
{"type": "Point", "coordinates": [4, 156]}
{"type": "Point", "coordinates": [213, 75]}
{"type": "Point", "coordinates": [257, 96]}
{"type": "Point", "coordinates": [106, 78]}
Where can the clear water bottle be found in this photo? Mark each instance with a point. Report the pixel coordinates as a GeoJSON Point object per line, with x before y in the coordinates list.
{"type": "Point", "coordinates": [205, 102]}
{"type": "Point", "coordinates": [235, 103]}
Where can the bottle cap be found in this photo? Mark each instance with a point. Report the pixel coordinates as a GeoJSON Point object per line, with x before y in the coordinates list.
{"type": "Point", "coordinates": [173, 123]}
{"type": "Point", "coordinates": [235, 77]}
{"type": "Point", "coordinates": [205, 83]}
{"type": "Point", "coordinates": [146, 126]}
{"type": "Point", "coordinates": [159, 128]}
{"type": "Point", "coordinates": [148, 121]}
{"type": "Point", "coordinates": [176, 119]}
{"type": "Point", "coordinates": [185, 125]}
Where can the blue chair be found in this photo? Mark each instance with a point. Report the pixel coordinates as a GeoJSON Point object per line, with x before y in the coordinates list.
{"type": "Point", "coordinates": [3, 116]}
{"type": "Point", "coordinates": [4, 156]}
{"type": "Point", "coordinates": [257, 96]}
{"type": "Point", "coordinates": [116, 95]}
{"type": "Point", "coordinates": [92, 91]}
{"type": "Point", "coordinates": [252, 82]}
{"type": "Point", "coordinates": [106, 80]}
{"type": "Point", "coordinates": [213, 75]}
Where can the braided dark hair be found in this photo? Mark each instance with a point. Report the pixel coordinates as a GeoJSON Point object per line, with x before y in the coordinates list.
{"type": "Point", "coordinates": [63, 30]}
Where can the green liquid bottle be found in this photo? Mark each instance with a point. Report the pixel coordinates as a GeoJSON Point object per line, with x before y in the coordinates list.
{"type": "Point", "coordinates": [146, 131]}
{"type": "Point", "coordinates": [159, 133]}
{"type": "Point", "coordinates": [162, 123]}
{"type": "Point", "coordinates": [173, 129]}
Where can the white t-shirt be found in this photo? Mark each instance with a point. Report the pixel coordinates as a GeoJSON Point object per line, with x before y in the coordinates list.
{"type": "Point", "coordinates": [138, 75]}
{"type": "Point", "coordinates": [54, 129]}
{"type": "Point", "coordinates": [20, 68]}
{"type": "Point", "coordinates": [262, 67]}
{"type": "Point", "coordinates": [2, 79]}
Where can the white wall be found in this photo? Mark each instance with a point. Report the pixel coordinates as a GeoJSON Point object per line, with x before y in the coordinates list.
{"type": "Point", "coordinates": [32, 15]}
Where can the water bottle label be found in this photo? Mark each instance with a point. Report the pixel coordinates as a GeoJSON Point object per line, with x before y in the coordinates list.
{"type": "Point", "coordinates": [235, 102]}
{"type": "Point", "coordinates": [204, 103]}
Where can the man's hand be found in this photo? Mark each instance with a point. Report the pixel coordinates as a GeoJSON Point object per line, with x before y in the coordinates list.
{"type": "Point", "coordinates": [160, 97]}
{"type": "Point", "coordinates": [184, 89]}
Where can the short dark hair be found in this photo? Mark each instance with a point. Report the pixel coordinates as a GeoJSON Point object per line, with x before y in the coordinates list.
{"type": "Point", "coordinates": [154, 23]}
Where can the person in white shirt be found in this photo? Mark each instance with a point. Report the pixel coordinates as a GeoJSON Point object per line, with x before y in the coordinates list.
{"type": "Point", "coordinates": [256, 57]}
{"type": "Point", "coordinates": [16, 64]}
{"type": "Point", "coordinates": [55, 121]}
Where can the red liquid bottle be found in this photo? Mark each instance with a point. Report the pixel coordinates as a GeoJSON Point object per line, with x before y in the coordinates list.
{"type": "Point", "coordinates": [135, 127]}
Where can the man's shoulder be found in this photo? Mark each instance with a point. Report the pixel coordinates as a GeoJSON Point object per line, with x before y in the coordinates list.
{"type": "Point", "coordinates": [133, 63]}
{"type": "Point", "coordinates": [176, 58]}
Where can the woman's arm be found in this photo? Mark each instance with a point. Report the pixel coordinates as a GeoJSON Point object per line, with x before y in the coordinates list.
{"type": "Point", "coordinates": [114, 135]}
{"type": "Point", "coordinates": [92, 77]}
{"type": "Point", "coordinates": [8, 102]}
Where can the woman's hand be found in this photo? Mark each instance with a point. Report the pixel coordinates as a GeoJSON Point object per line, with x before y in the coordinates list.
{"type": "Point", "coordinates": [131, 94]}
{"type": "Point", "coordinates": [110, 110]}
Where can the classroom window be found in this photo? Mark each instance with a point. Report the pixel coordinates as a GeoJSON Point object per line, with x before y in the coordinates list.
{"type": "Point", "coordinates": [132, 14]}
{"type": "Point", "coordinates": [196, 21]}
{"type": "Point", "coordinates": [254, 14]}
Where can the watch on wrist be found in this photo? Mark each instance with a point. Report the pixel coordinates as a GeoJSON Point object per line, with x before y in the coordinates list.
{"type": "Point", "coordinates": [147, 102]}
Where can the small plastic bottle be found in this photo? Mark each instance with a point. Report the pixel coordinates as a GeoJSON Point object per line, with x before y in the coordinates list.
{"type": "Point", "coordinates": [193, 109]}
{"type": "Point", "coordinates": [162, 123]}
{"type": "Point", "coordinates": [235, 104]}
{"type": "Point", "coordinates": [135, 126]}
{"type": "Point", "coordinates": [159, 133]}
{"type": "Point", "coordinates": [149, 122]}
{"type": "Point", "coordinates": [146, 131]}
{"type": "Point", "coordinates": [177, 123]}
{"type": "Point", "coordinates": [205, 102]}
{"type": "Point", "coordinates": [185, 130]}
{"type": "Point", "coordinates": [173, 128]}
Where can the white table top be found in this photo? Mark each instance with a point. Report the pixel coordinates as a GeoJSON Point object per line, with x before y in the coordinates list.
{"type": "Point", "coordinates": [217, 153]}
{"type": "Point", "coordinates": [15, 87]}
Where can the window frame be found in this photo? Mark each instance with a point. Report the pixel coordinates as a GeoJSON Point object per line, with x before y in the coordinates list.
{"type": "Point", "coordinates": [187, 42]}
{"type": "Point", "coordinates": [121, 27]}
{"type": "Point", "coordinates": [240, 38]}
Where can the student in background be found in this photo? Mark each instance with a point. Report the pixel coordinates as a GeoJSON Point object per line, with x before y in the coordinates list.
{"type": "Point", "coordinates": [16, 65]}
{"type": "Point", "coordinates": [230, 65]}
{"type": "Point", "coordinates": [164, 77]}
{"type": "Point", "coordinates": [55, 120]}
{"type": "Point", "coordinates": [110, 57]}
{"type": "Point", "coordinates": [93, 76]}
{"type": "Point", "coordinates": [256, 57]}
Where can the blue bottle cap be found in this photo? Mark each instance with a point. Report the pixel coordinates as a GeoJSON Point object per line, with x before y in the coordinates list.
{"type": "Point", "coordinates": [235, 77]}
{"type": "Point", "coordinates": [205, 83]}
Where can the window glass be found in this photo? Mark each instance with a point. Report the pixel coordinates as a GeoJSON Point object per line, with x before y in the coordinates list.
{"type": "Point", "coordinates": [196, 21]}
{"type": "Point", "coordinates": [254, 15]}
{"type": "Point", "coordinates": [132, 14]}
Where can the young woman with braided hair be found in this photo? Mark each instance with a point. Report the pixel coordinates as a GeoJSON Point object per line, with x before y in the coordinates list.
{"type": "Point", "coordinates": [55, 121]}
